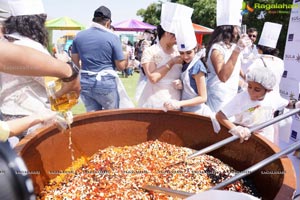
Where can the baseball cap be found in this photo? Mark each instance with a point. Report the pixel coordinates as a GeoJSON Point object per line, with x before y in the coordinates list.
{"type": "Point", "coordinates": [102, 11]}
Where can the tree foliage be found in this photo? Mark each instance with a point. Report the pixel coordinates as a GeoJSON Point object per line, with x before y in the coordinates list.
{"type": "Point", "coordinates": [151, 15]}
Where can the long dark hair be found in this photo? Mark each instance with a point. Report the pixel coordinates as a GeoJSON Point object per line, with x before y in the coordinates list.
{"type": "Point", "coordinates": [31, 26]}
{"type": "Point", "coordinates": [221, 34]}
{"type": "Point", "coordinates": [160, 32]}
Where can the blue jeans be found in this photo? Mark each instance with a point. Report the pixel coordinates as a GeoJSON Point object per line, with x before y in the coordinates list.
{"type": "Point", "coordinates": [99, 95]}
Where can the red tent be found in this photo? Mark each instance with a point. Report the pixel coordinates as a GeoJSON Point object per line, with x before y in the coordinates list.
{"type": "Point", "coordinates": [200, 31]}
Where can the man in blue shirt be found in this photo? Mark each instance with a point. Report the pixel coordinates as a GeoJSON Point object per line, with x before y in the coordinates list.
{"type": "Point", "coordinates": [100, 53]}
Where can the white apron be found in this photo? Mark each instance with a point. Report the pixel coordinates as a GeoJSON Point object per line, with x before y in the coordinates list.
{"type": "Point", "coordinates": [219, 93]}
{"type": "Point", "coordinates": [188, 93]}
{"type": "Point", "coordinates": [154, 95]}
{"type": "Point", "coordinates": [125, 101]}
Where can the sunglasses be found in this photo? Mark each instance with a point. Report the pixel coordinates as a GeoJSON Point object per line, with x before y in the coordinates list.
{"type": "Point", "coordinates": [250, 35]}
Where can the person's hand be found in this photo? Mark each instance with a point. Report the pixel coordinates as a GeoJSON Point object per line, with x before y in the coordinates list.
{"type": "Point", "coordinates": [64, 120]}
{"type": "Point", "coordinates": [176, 60]}
{"type": "Point", "coordinates": [243, 132]}
{"type": "Point", "coordinates": [46, 116]}
{"type": "Point", "coordinates": [242, 43]}
{"type": "Point", "coordinates": [62, 56]}
{"type": "Point", "coordinates": [177, 84]}
{"type": "Point", "coordinates": [172, 105]}
{"type": "Point", "coordinates": [68, 87]}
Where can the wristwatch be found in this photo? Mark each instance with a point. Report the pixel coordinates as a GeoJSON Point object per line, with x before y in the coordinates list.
{"type": "Point", "coordinates": [75, 72]}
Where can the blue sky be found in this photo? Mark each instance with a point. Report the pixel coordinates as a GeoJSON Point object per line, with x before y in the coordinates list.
{"type": "Point", "coordinates": [83, 11]}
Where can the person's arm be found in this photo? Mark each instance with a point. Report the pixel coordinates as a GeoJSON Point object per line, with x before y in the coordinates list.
{"type": "Point", "coordinates": [21, 60]}
{"type": "Point", "coordinates": [222, 119]}
{"type": "Point", "coordinates": [201, 89]}
{"type": "Point", "coordinates": [17, 126]}
{"type": "Point", "coordinates": [223, 70]}
{"type": "Point", "coordinates": [76, 59]}
{"type": "Point", "coordinates": [155, 74]}
{"type": "Point", "coordinates": [122, 64]}
{"type": "Point", "coordinates": [201, 98]}
{"type": "Point", "coordinates": [243, 132]}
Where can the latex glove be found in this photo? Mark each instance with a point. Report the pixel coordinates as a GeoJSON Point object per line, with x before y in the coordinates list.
{"type": "Point", "coordinates": [177, 84]}
{"type": "Point", "coordinates": [64, 120]}
{"type": "Point", "coordinates": [243, 43]}
{"type": "Point", "coordinates": [172, 105]}
{"type": "Point", "coordinates": [243, 132]}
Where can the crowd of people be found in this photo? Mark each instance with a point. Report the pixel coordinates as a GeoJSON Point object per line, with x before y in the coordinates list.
{"type": "Point", "coordinates": [231, 80]}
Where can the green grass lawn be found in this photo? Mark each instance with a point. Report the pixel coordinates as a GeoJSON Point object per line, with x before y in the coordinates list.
{"type": "Point", "coordinates": [129, 84]}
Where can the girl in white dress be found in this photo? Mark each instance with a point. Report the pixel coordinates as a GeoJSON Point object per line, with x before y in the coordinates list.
{"type": "Point", "coordinates": [162, 65]}
{"type": "Point", "coordinates": [224, 64]}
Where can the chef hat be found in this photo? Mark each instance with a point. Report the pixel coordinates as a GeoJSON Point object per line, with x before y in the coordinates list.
{"type": "Point", "coordinates": [26, 7]}
{"type": "Point", "coordinates": [4, 10]}
{"type": "Point", "coordinates": [270, 34]}
{"type": "Point", "coordinates": [171, 12]}
{"type": "Point", "coordinates": [229, 12]}
{"type": "Point", "coordinates": [259, 73]}
{"type": "Point", "coordinates": [185, 35]}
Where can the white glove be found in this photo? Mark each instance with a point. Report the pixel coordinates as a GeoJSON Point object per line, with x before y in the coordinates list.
{"type": "Point", "coordinates": [64, 120]}
{"type": "Point", "coordinates": [172, 105]}
{"type": "Point", "coordinates": [243, 43]}
{"type": "Point", "coordinates": [177, 84]}
{"type": "Point", "coordinates": [243, 132]}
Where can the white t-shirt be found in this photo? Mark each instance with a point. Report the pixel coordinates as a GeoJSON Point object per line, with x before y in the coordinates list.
{"type": "Point", "coordinates": [243, 111]}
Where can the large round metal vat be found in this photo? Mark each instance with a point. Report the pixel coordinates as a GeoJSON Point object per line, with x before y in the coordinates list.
{"type": "Point", "coordinates": [47, 150]}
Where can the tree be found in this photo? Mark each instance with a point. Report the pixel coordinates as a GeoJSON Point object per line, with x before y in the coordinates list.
{"type": "Point", "coordinates": [152, 14]}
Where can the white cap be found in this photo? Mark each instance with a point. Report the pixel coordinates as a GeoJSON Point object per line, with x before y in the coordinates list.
{"type": "Point", "coordinates": [229, 12]}
{"type": "Point", "coordinates": [185, 35]}
{"type": "Point", "coordinates": [261, 73]}
{"type": "Point", "coordinates": [26, 7]}
{"type": "Point", "coordinates": [171, 12]}
{"type": "Point", "coordinates": [270, 34]}
{"type": "Point", "coordinates": [273, 63]}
